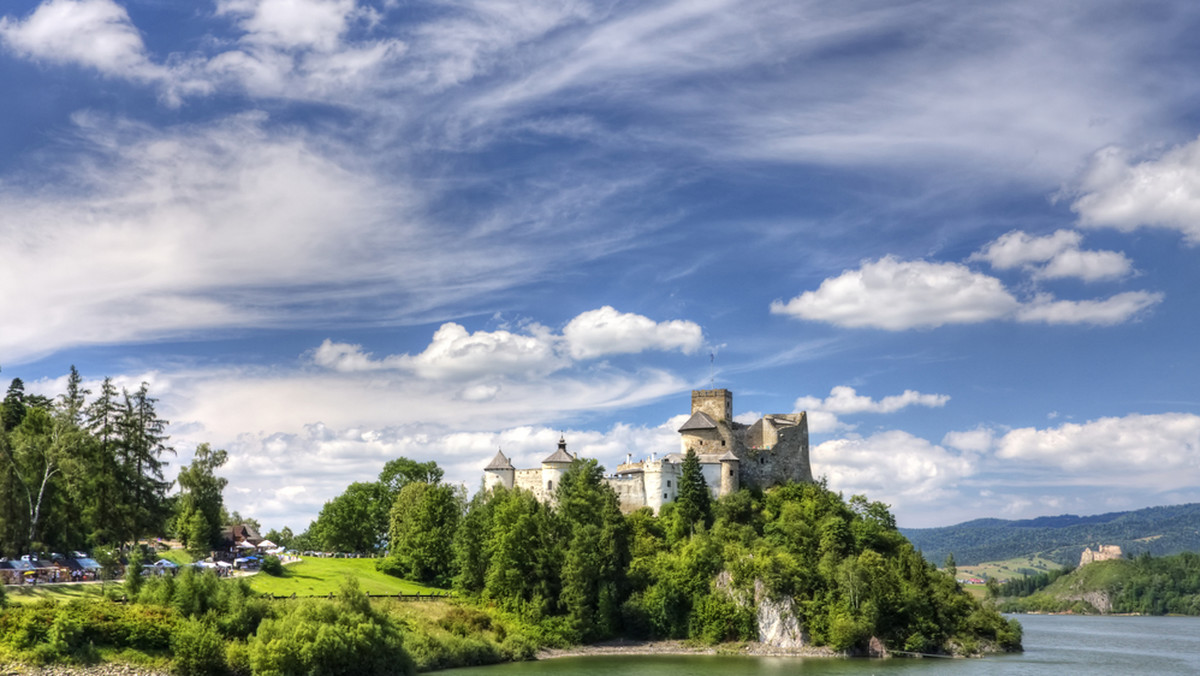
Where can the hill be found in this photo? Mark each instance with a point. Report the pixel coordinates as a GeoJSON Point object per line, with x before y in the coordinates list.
{"type": "Point", "coordinates": [1144, 585]}
{"type": "Point", "coordinates": [1158, 530]}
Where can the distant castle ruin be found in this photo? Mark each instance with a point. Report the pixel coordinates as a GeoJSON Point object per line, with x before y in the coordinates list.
{"type": "Point", "coordinates": [1102, 553]}
{"type": "Point", "coordinates": [773, 450]}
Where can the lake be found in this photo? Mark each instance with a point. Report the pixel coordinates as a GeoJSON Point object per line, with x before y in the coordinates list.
{"type": "Point", "coordinates": [1054, 646]}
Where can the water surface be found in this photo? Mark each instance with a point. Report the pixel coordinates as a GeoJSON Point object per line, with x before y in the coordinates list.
{"type": "Point", "coordinates": [1057, 645]}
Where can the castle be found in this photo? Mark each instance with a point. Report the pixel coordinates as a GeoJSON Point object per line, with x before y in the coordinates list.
{"type": "Point", "coordinates": [771, 451]}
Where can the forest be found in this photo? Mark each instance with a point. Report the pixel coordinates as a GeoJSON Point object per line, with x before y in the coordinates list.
{"type": "Point", "coordinates": [86, 471]}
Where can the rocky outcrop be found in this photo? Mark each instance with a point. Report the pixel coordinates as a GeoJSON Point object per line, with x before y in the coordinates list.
{"type": "Point", "coordinates": [778, 625]}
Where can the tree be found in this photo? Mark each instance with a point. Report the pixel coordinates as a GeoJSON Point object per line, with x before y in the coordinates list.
{"type": "Point", "coordinates": [14, 405]}
{"type": "Point", "coordinates": [200, 504]}
{"type": "Point", "coordinates": [597, 554]}
{"type": "Point", "coordinates": [400, 472]}
{"type": "Point", "coordinates": [355, 521]}
{"type": "Point", "coordinates": [424, 520]}
{"type": "Point", "coordinates": [693, 504]}
{"type": "Point", "coordinates": [143, 443]}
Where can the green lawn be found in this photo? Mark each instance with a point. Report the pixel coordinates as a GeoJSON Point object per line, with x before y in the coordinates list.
{"type": "Point", "coordinates": [315, 576]}
{"type": "Point", "coordinates": [58, 592]}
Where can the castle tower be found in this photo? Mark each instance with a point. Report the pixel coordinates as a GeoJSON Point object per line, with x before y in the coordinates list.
{"type": "Point", "coordinates": [730, 468]}
{"type": "Point", "coordinates": [718, 404]}
{"type": "Point", "coordinates": [553, 468]}
{"type": "Point", "coordinates": [499, 472]}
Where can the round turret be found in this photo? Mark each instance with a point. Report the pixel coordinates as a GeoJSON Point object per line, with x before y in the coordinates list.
{"type": "Point", "coordinates": [730, 466]}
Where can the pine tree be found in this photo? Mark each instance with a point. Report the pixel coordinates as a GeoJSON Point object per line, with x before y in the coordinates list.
{"type": "Point", "coordinates": [693, 504]}
{"type": "Point", "coordinates": [143, 442]}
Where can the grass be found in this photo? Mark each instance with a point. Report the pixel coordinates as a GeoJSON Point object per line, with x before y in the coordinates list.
{"type": "Point", "coordinates": [309, 577]}
{"type": "Point", "coordinates": [57, 592]}
{"type": "Point", "coordinates": [1010, 569]}
{"type": "Point", "coordinates": [320, 577]}
{"type": "Point", "coordinates": [179, 557]}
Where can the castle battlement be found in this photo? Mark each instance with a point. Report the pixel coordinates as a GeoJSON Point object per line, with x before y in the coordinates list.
{"type": "Point", "coordinates": [771, 451]}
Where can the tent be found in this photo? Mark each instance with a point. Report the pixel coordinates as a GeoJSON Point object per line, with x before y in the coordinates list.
{"type": "Point", "coordinates": [267, 544]}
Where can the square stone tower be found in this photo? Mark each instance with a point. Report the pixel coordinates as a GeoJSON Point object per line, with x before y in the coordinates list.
{"type": "Point", "coordinates": [716, 404]}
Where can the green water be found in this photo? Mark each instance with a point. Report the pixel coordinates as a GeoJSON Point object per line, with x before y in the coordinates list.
{"type": "Point", "coordinates": [1054, 646]}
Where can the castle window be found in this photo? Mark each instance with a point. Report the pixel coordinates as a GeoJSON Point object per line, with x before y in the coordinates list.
{"type": "Point", "coordinates": [668, 483]}
{"type": "Point", "coordinates": [549, 485]}
{"type": "Point", "coordinates": [664, 496]}
{"type": "Point", "coordinates": [722, 442]}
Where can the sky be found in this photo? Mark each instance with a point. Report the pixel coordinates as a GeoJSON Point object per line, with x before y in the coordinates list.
{"type": "Point", "coordinates": [327, 233]}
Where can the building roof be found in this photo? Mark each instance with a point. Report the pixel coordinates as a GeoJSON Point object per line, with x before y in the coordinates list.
{"type": "Point", "coordinates": [727, 456]}
{"type": "Point", "coordinates": [561, 455]}
{"type": "Point", "coordinates": [699, 421]}
{"type": "Point", "coordinates": [499, 462]}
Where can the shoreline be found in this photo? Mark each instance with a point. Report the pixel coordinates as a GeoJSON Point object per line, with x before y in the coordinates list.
{"type": "Point", "coordinates": [678, 647]}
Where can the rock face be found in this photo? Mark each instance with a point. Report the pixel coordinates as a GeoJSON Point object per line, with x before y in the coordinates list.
{"type": "Point", "coordinates": [1102, 553]}
{"type": "Point", "coordinates": [778, 625]}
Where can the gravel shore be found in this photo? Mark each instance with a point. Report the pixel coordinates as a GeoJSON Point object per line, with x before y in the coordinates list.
{"type": "Point", "coordinates": [65, 670]}
{"type": "Point", "coordinates": [628, 647]}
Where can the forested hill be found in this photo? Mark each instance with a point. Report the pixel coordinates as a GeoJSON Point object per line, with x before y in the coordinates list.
{"type": "Point", "coordinates": [1158, 530]}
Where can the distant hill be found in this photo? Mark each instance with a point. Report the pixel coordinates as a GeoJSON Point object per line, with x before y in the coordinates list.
{"type": "Point", "coordinates": [1158, 530]}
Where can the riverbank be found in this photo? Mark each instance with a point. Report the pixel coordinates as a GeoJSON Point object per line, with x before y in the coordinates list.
{"type": "Point", "coordinates": [631, 647]}
{"type": "Point", "coordinates": [78, 670]}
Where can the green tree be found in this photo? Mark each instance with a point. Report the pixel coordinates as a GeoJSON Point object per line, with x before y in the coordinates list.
{"type": "Point", "coordinates": [355, 521]}
{"type": "Point", "coordinates": [693, 504]}
{"type": "Point", "coordinates": [597, 553]}
{"type": "Point", "coordinates": [143, 443]}
{"type": "Point", "coordinates": [201, 502]}
{"type": "Point", "coordinates": [400, 472]}
{"type": "Point", "coordinates": [14, 405]}
{"type": "Point", "coordinates": [424, 520]}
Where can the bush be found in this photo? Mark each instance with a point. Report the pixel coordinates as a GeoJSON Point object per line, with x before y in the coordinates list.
{"type": "Point", "coordinates": [237, 658]}
{"type": "Point", "coordinates": [271, 565]}
{"type": "Point", "coordinates": [316, 637]}
{"type": "Point", "coordinates": [198, 649]}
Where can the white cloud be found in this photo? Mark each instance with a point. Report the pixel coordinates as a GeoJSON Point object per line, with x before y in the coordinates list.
{"type": "Point", "coordinates": [346, 357]}
{"type": "Point", "coordinates": [978, 440]}
{"type": "Point", "coordinates": [1054, 256]}
{"type": "Point", "coordinates": [93, 33]}
{"type": "Point", "coordinates": [844, 400]}
{"type": "Point", "coordinates": [1120, 192]}
{"type": "Point", "coordinates": [1107, 312]}
{"type": "Point", "coordinates": [605, 331]}
{"type": "Point", "coordinates": [290, 24]}
{"type": "Point", "coordinates": [895, 295]}
{"type": "Point", "coordinates": [894, 467]}
{"type": "Point", "coordinates": [456, 354]}
{"type": "Point", "coordinates": [1160, 451]}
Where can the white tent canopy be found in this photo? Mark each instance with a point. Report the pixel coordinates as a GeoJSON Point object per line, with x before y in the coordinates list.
{"type": "Point", "coordinates": [267, 544]}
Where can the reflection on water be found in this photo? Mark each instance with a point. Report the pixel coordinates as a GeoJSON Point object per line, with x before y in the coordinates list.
{"type": "Point", "coordinates": [1054, 646]}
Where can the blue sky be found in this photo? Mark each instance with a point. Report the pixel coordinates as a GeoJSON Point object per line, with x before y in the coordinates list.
{"type": "Point", "coordinates": [333, 232]}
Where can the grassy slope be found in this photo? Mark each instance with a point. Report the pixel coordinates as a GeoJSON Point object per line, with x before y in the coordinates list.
{"type": "Point", "coordinates": [1010, 569]}
{"type": "Point", "coordinates": [310, 577]}
{"type": "Point", "coordinates": [318, 577]}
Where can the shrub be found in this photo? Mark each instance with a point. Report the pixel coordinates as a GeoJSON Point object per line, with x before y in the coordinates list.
{"type": "Point", "coordinates": [317, 637]}
{"type": "Point", "coordinates": [197, 648]}
{"type": "Point", "coordinates": [237, 658]}
{"type": "Point", "coordinates": [271, 565]}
